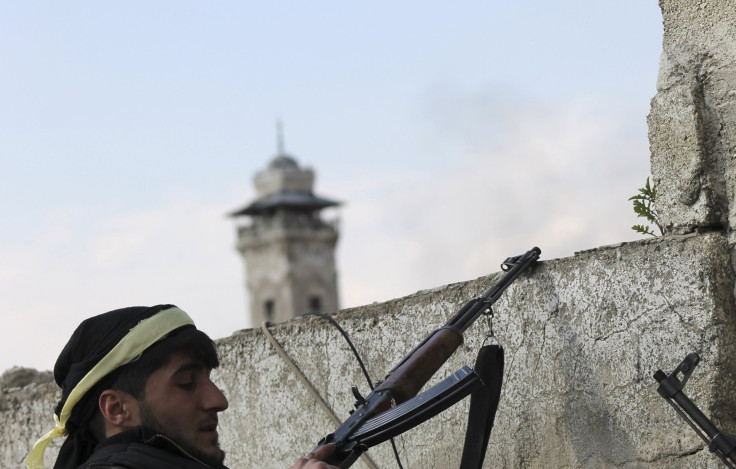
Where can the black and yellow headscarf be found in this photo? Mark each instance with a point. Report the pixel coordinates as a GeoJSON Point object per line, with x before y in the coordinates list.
{"type": "Point", "coordinates": [99, 346]}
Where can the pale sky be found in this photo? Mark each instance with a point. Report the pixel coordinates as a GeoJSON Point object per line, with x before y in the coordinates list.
{"type": "Point", "coordinates": [456, 134]}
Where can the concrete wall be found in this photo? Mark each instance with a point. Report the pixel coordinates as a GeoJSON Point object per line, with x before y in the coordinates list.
{"type": "Point", "coordinates": [583, 334]}
{"type": "Point", "coordinates": [583, 337]}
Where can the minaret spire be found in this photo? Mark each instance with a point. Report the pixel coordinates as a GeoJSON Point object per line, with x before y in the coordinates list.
{"type": "Point", "coordinates": [280, 137]}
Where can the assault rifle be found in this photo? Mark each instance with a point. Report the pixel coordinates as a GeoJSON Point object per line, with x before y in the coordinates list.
{"type": "Point", "coordinates": [393, 406]}
{"type": "Point", "coordinates": [670, 387]}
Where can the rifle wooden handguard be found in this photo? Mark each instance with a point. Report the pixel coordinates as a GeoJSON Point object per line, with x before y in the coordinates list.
{"type": "Point", "coordinates": [415, 370]}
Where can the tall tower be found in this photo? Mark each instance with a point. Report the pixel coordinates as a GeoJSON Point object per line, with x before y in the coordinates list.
{"type": "Point", "coordinates": [289, 250]}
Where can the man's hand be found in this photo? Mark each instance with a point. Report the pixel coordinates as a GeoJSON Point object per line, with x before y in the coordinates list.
{"type": "Point", "coordinates": [314, 460]}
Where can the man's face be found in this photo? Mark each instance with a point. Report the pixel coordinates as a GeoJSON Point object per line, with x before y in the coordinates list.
{"type": "Point", "coordinates": [182, 403]}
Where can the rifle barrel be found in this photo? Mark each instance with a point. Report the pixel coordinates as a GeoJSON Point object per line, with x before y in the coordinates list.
{"type": "Point", "coordinates": [474, 308]}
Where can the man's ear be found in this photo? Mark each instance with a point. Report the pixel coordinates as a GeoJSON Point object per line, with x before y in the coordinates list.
{"type": "Point", "coordinates": [119, 410]}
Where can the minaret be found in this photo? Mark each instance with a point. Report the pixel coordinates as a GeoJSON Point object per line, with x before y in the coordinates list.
{"type": "Point", "coordinates": [289, 250]}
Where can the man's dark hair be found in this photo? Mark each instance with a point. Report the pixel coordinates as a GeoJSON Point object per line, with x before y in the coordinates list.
{"type": "Point", "coordinates": [132, 378]}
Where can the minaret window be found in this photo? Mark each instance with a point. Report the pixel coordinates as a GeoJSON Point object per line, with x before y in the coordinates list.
{"type": "Point", "coordinates": [315, 304]}
{"type": "Point", "coordinates": [268, 308]}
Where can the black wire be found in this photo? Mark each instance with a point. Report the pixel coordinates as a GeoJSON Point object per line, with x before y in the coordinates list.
{"type": "Point", "coordinates": [360, 362]}
{"type": "Point", "coordinates": [350, 343]}
{"type": "Point", "coordinates": [396, 453]}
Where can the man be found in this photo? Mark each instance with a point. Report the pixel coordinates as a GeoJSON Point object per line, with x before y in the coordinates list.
{"type": "Point", "coordinates": [136, 394]}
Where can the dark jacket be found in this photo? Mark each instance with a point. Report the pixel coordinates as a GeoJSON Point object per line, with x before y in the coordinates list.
{"type": "Point", "coordinates": [142, 448]}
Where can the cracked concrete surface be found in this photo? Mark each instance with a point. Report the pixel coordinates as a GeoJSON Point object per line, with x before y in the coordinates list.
{"type": "Point", "coordinates": [583, 337]}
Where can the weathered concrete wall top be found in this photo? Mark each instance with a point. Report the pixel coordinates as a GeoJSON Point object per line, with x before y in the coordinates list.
{"type": "Point", "coordinates": [583, 336]}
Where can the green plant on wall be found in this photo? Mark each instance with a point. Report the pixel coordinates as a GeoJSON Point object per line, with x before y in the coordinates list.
{"type": "Point", "coordinates": [644, 208]}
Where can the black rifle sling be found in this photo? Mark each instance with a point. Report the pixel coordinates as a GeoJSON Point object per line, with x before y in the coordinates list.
{"type": "Point", "coordinates": [483, 405]}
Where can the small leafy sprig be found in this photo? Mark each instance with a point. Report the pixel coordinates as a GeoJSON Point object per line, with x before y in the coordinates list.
{"type": "Point", "coordinates": [644, 208]}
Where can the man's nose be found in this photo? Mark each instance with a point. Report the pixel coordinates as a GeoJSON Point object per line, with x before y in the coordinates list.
{"type": "Point", "coordinates": [214, 398]}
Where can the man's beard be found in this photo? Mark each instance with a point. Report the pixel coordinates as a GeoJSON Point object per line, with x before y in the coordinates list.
{"type": "Point", "coordinates": [149, 420]}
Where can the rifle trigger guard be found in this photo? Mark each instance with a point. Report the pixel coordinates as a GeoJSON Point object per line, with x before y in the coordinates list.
{"type": "Point", "coordinates": [354, 454]}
